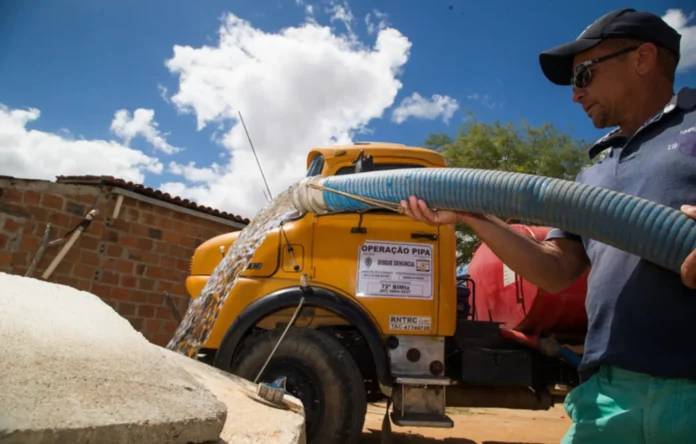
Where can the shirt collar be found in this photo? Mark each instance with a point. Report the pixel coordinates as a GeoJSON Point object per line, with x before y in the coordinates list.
{"type": "Point", "coordinates": [684, 100]}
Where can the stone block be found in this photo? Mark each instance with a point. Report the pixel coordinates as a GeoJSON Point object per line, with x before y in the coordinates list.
{"type": "Point", "coordinates": [248, 421]}
{"type": "Point", "coordinates": [75, 371]}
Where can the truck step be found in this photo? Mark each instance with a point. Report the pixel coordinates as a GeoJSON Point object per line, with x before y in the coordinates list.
{"type": "Point", "coordinates": [422, 420]}
{"type": "Point", "coordinates": [423, 380]}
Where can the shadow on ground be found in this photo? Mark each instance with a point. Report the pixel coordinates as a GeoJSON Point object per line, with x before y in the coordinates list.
{"type": "Point", "coordinates": [374, 436]}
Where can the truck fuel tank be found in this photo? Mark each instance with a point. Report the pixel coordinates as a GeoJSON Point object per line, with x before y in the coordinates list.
{"type": "Point", "coordinates": [503, 296]}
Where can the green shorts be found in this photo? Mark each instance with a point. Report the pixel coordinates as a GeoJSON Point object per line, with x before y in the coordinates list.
{"type": "Point", "coordinates": [619, 406]}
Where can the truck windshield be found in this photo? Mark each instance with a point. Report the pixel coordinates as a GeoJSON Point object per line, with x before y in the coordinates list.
{"type": "Point", "coordinates": [350, 169]}
{"type": "Point", "coordinates": [315, 166]}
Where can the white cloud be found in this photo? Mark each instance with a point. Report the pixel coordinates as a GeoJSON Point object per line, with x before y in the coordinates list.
{"type": "Point", "coordinates": [194, 174]}
{"type": "Point", "coordinates": [483, 99]}
{"type": "Point", "coordinates": [677, 19]}
{"type": "Point", "coordinates": [422, 108]}
{"type": "Point", "coordinates": [381, 24]}
{"type": "Point", "coordinates": [35, 154]}
{"type": "Point", "coordinates": [302, 87]}
{"type": "Point", "coordinates": [309, 11]}
{"type": "Point", "coordinates": [141, 124]}
{"type": "Point", "coordinates": [343, 14]}
{"type": "Point", "coordinates": [163, 92]}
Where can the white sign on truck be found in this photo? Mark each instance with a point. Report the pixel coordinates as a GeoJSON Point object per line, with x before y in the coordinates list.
{"type": "Point", "coordinates": [397, 270]}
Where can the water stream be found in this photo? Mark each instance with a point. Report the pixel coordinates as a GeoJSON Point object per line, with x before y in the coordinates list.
{"type": "Point", "coordinates": [194, 329]}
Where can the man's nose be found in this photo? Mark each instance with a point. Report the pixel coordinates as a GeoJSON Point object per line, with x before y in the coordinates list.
{"type": "Point", "coordinates": [578, 95]}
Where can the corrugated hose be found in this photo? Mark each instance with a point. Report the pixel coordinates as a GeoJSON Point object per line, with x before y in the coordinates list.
{"type": "Point", "coordinates": [655, 232]}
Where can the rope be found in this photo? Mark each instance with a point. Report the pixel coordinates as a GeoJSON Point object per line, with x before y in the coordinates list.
{"type": "Point", "coordinates": [375, 202]}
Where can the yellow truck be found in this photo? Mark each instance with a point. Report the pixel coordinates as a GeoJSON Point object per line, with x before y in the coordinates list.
{"type": "Point", "coordinates": [385, 314]}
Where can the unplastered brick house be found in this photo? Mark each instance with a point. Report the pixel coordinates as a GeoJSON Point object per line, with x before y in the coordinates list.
{"type": "Point", "coordinates": [134, 254]}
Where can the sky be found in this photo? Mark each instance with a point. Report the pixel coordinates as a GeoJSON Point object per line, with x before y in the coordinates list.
{"type": "Point", "coordinates": [150, 91]}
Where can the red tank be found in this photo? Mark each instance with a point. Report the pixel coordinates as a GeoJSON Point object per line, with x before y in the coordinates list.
{"type": "Point", "coordinates": [503, 296]}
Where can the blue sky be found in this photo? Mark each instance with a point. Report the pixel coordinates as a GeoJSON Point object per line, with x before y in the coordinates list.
{"type": "Point", "coordinates": [144, 90]}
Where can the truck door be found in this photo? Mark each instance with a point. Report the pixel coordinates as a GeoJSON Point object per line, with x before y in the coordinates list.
{"type": "Point", "coordinates": [387, 262]}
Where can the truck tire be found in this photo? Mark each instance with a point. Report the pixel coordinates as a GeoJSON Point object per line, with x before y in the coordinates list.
{"type": "Point", "coordinates": [320, 372]}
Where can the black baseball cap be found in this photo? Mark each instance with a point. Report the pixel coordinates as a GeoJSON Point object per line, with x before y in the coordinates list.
{"type": "Point", "coordinates": [557, 63]}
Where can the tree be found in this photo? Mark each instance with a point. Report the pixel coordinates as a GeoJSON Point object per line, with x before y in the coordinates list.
{"type": "Point", "coordinates": [437, 141]}
{"type": "Point", "coordinates": [542, 151]}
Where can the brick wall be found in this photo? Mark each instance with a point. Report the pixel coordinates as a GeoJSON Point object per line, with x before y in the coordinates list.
{"type": "Point", "coordinates": [129, 262]}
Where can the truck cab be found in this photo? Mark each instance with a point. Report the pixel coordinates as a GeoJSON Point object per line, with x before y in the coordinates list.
{"type": "Point", "coordinates": [384, 314]}
{"type": "Point", "coordinates": [345, 251]}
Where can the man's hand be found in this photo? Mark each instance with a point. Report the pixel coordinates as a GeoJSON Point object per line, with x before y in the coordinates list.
{"type": "Point", "coordinates": [688, 268]}
{"type": "Point", "coordinates": [418, 210]}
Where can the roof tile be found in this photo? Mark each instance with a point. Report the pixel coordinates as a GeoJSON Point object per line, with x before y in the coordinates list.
{"type": "Point", "coordinates": [149, 192]}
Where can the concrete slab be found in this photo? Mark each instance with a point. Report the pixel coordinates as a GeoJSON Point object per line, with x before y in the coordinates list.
{"type": "Point", "coordinates": [73, 370]}
{"type": "Point", "coordinates": [248, 421]}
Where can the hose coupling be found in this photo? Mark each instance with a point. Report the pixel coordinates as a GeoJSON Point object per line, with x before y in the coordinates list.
{"type": "Point", "coordinates": [307, 199]}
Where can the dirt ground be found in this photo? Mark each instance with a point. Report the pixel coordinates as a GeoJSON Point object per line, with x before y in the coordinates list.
{"type": "Point", "coordinates": [476, 426]}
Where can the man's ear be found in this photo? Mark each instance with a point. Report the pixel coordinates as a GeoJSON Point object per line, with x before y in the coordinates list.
{"type": "Point", "coordinates": [645, 59]}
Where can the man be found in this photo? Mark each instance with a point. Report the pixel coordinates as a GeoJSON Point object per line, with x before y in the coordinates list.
{"type": "Point", "coordinates": [638, 372]}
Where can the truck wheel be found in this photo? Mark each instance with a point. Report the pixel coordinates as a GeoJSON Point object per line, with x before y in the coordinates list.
{"type": "Point", "coordinates": [320, 372]}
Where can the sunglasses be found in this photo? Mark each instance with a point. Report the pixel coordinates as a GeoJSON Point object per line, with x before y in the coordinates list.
{"type": "Point", "coordinates": [582, 75]}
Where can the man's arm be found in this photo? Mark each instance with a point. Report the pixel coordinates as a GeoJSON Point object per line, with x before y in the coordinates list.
{"type": "Point", "coordinates": [553, 264]}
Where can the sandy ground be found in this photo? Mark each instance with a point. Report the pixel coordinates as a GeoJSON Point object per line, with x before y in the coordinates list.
{"type": "Point", "coordinates": [476, 426]}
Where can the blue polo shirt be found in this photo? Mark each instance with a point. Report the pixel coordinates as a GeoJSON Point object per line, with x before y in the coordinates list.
{"type": "Point", "coordinates": [641, 317]}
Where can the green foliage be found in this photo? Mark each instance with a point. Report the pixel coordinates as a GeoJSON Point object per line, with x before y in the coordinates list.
{"type": "Point", "coordinates": [437, 141]}
{"type": "Point", "coordinates": [522, 148]}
